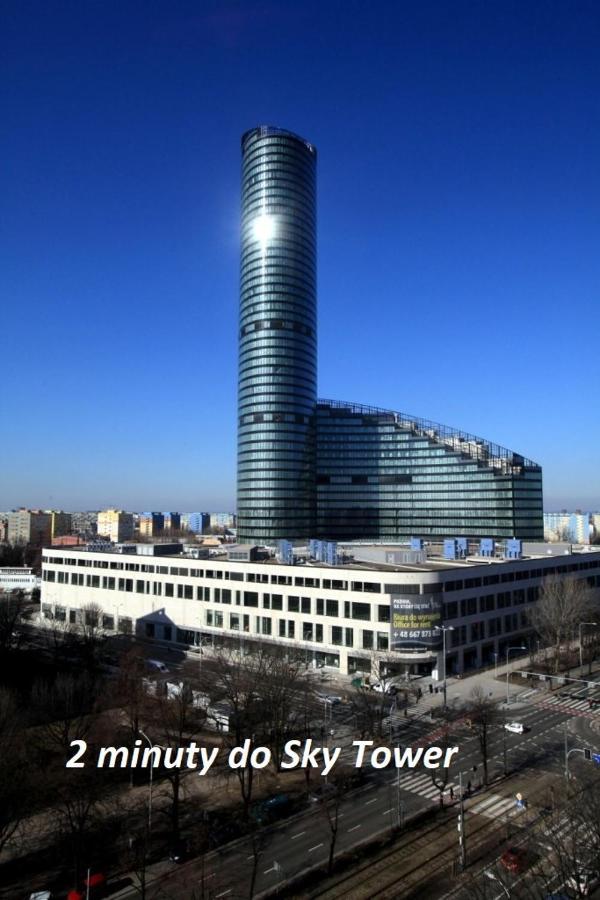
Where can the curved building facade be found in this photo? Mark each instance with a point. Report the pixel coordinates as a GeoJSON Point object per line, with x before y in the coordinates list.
{"type": "Point", "coordinates": [385, 475]}
{"type": "Point", "coordinates": [277, 384]}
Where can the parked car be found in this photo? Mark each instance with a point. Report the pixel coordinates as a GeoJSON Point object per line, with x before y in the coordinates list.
{"type": "Point", "coordinates": [155, 665]}
{"type": "Point", "coordinates": [178, 852]}
{"type": "Point", "coordinates": [93, 887]}
{"type": "Point", "coordinates": [514, 859]}
{"type": "Point", "coordinates": [331, 699]}
{"type": "Point", "coordinates": [271, 809]}
{"type": "Point", "coordinates": [515, 727]}
{"type": "Point", "coordinates": [384, 687]}
{"type": "Point", "coordinates": [324, 792]}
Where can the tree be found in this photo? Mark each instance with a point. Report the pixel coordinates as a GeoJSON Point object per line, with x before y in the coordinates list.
{"type": "Point", "coordinates": [482, 714]}
{"type": "Point", "coordinates": [65, 709]}
{"type": "Point", "coordinates": [439, 777]}
{"type": "Point", "coordinates": [15, 794]}
{"type": "Point", "coordinates": [562, 605]}
{"type": "Point", "coordinates": [237, 681]}
{"type": "Point", "coordinates": [12, 608]}
{"type": "Point", "coordinates": [174, 718]}
{"type": "Point", "coordinates": [370, 709]}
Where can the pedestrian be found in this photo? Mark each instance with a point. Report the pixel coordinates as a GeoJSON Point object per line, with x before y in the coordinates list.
{"type": "Point", "coordinates": [451, 792]}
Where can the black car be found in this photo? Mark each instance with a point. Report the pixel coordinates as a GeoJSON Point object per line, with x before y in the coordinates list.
{"type": "Point", "coordinates": [179, 852]}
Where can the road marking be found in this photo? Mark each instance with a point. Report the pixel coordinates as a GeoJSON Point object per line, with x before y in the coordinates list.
{"type": "Point", "coordinates": [212, 875]}
{"type": "Point", "coordinates": [354, 827]}
{"type": "Point", "coordinates": [272, 869]}
{"type": "Point", "coordinates": [388, 811]}
{"type": "Point", "coordinates": [300, 833]}
{"type": "Point", "coordinates": [316, 847]}
{"type": "Point", "coordinates": [374, 800]}
{"type": "Point", "coordinates": [223, 894]}
{"type": "Point", "coordinates": [250, 857]}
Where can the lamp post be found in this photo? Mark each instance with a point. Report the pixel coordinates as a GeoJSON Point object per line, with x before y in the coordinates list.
{"type": "Point", "coordinates": [151, 745]}
{"type": "Point", "coordinates": [508, 650]}
{"type": "Point", "coordinates": [444, 629]}
{"type": "Point", "coordinates": [581, 624]}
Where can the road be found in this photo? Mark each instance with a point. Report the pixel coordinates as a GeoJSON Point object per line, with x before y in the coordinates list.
{"type": "Point", "coordinates": [303, 841]}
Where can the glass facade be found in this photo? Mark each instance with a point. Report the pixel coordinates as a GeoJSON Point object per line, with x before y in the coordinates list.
{"type": "Point", "coordinates": [277, 338]}
{"type": "Point", "coordinates": [336, 470]}
{"type": "Point", "coordinates": [387, 476]}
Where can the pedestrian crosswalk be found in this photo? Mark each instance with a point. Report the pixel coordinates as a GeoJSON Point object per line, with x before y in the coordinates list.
{"type": "Point", "coordinates": [491, 805]}
{"type": "Point", "coordinates": [573, 705]}
{"type": "Point", "coordinates": [422, 784]}
{"type": "Point", "coordinates": [494, 806]}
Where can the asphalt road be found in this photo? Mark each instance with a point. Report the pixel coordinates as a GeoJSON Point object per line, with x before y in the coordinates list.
{"type": "Point", "coordinates": [295, 844]}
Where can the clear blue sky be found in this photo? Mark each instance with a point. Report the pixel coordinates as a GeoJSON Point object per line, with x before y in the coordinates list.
{"type": "Point", "coordinates": [459, 218]}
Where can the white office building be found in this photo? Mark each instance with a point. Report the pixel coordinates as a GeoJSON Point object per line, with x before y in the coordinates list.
{"type": "Point", "coordinates": [351, 617]}
{"type": "Point", "coordinates": [18, 579]}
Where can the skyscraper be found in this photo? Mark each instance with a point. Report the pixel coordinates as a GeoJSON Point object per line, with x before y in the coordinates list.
{"type": "Point", "coordinates": [329, 469]}
{"type": "Point", "coordinates": [277, 388]}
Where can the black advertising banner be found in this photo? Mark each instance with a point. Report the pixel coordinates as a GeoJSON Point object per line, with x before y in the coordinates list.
{"type": "Point", "coordinates": [413, 622]}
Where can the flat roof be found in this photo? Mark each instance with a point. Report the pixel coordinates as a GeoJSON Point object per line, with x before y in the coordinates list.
{"type": "Point", "coordinates": [432, 564]}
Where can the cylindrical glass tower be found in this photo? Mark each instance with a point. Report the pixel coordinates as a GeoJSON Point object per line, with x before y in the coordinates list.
{"type": "Point", "coordinates": [277, 388]}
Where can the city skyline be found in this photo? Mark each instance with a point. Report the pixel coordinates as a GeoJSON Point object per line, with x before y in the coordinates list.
{"type": "Point", "coordinates": [457, 190]}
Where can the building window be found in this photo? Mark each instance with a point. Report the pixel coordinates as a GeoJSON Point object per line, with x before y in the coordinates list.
{"type": "Point", "coordinates": [367, 640]}
{"type": "Point", "coordinates": [383, 614]}
{"type": "Point", "coordinates": [336, 635]}
{"type": "Point", "coordinates": [332, 607]}
{"type": "Point", "coordinates": [361, 611]}
{"type": "Point", "coordinates": [382, 641]}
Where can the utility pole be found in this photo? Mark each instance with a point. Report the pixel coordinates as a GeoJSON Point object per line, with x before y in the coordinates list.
{"type": "Point", "coordinates": [462, 847]}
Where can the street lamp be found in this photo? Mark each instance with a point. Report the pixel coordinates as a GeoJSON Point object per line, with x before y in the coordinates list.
{"type": "Point", "coordinates": [580, 643]}
{"type": "Point", "coordinates": [151, 745]}
{"type": "Point", "coordinates": [508, 650]}
{"type": "Point", "coordinates": [444, 629]}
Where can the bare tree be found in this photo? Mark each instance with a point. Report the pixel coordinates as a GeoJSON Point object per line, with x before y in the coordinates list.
{"type": "Point", "coordinates": [562, 605]}
{"type": "Point", "coordinates": [237, 681]}
{"type": "Point", "coordinates": [15, 796]}
{"type": "Point", "coordinates": [65, 708]}
{"type": "Point", "coordinates": [12, 608]}
{"type": "Point", "coordinates": [174, 719]}
{"type": "Point", "coordinates": [482, 715]}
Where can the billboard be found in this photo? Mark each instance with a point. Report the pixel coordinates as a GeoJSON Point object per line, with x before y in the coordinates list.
{"type": "Point", "coordinates": [413, 621]}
